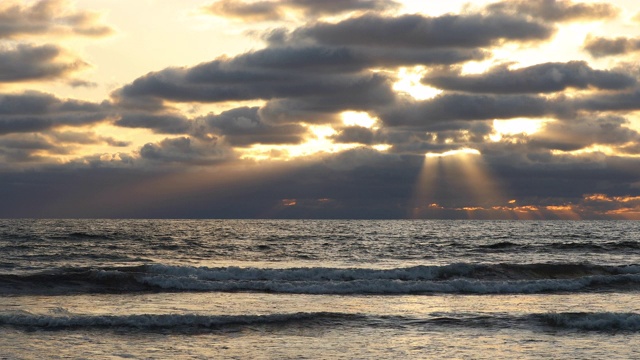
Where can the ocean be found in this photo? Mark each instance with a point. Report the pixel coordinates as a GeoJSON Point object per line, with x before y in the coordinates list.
{"type": "Point", "coordinates": [319, 289]}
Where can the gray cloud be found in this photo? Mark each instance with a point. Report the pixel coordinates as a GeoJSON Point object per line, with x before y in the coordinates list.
{"type": "Point", "coordinates": [254, 11]}
{"type": "Point", "coordinates": [616, 102]}
{"type": "Point", "coordinates": [419, 32]}
{"type": "Point", "coordinates": [584, 132]}
{"type": "Point", "coordinates": [328, 7]}
{"type": "Point", "coordinates": [186, 150]}
{"type": "Point", "coordinates": [601, 47]}
{"type": "Point", "coordinates": [83, 137]}
{"type": "Point", "coordinates": [158, 123]}
{"type": "Point", "coordinates": [542, 78]}
{"type": "Point", "coordinates": [30, 62]}
{"type": "Point", "coordinates": [277, 10]}
{"type": "Point", "coordinates": [357, 183]}
{"type": "Point", "coordinates": [222, 80]}
{"type": "Point", "coordinates": [244, 126]}
{"type": "Point", "coordinates": [556, 10]}
{"type": "Point", "coordinates": [30, 148]}
{"type": "Point", "coordinates": [447, 107]}
{"type": "Point", "coordinates": [48, 16]}
{"type": "Point", "coordinates": [281, 72]}
{"type": "Point", "coordinates": [241, 126]}
{"type": "Point", "coordinates": [355, 134]}
{"type": "Point", "coordinates": [322, 69]}
{"type": "Point", "coordinates": [35, 111]}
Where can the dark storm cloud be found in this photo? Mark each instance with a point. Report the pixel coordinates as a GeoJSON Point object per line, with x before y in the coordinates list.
{"type": "Point", "coordinates": [35, 111]}
{"type": "Point", "coordinates": [541, 78]}
{"type": "Point", "coordinates": [31, 62]}
{"type": "Point", "coordinates": [244, 126]}
{"type": "Point", "coordinates": [601, 47]}
{"type": "Point", "coordinates": [47, 17]}
{"type": "Point", "coordinates": [417, 31]}
{"type": "Point", "coordinates": [277, 10]}
{"type": "Point", "coordinates": [556, 10]}
{"type": "Point", "coordinates": [186, 150]}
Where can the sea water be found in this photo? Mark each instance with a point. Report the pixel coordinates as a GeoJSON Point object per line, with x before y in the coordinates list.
{"type": "Point", "coordinates": [325, 289]}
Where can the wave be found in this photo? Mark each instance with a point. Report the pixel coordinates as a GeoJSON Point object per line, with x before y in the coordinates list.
{"type": "Point", "coordinates": [592, 321]}
{"type": "Point", "coordinates": [169, 321]}
{"type": "Point", "coordinates": [599, 322]}
{"type": "Point", "coordinates": [456, 278]}
{"type": "Point", "coordinates": [589, 246]}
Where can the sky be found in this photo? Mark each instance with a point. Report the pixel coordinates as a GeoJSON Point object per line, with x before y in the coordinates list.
{"type": "Point", "coordinates": [512, 109]}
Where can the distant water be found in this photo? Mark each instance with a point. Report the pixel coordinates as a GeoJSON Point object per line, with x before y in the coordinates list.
{"type": "Point", "coordinates": [302, 289]}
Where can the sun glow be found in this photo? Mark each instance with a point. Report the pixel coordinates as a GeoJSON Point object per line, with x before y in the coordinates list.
{"type": "Point", "coordinates": [319, 142]}
{"type": "Point", "coordinates": [358, 118]}
{"type": "Point", "coordinates": [517, 126]}
{"type": "Point", "coordinates": [465, 151]}
{"type": "Point", "coordinates": [410, 84]}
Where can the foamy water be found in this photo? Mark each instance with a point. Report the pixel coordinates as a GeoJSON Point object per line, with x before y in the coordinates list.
{"type": "Point", "coordinates": [319, 289]}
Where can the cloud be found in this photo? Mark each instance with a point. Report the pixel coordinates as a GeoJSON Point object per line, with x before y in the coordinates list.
{"type": "Point", "coordinates": [541, 78]}
{"type": "Point", "coordinates": [36, 111]}
{"type": "Point", "coordinates": [244, 126]}
{"type": "Point", "coordinates": [601, 46]}
{"type": "Point", "coordinates": [420, 32]}
{"type": "Point", "coordinates": [281, 72]}
{"type": "Point", "coordinates": [241, 126]}
{"type": "Point", "coordinates": [255, 11]}
{"type": "Point", "coordinates": [556, 10]}
{"type": "Point", "coordinates": [448, 107]}
{"type": "Point", "coordinates": [28, 148]}
{"type": "Point", "coordinates": [359, 183]}
{"type": "Point", "coordinates": [83, 138]}
{"type": "Point", "coordinates": [48, 17]}
{"type": "Point", "coordinates": [322, 69]}
{"type": "Point", "coordinates": [329, 7]}
{"type": "Point", "coordinates": [31, 149]}
{"type": "Point", "coordinates": [30, 62]}
{"type": "Point", "coordinates": [584, 132]}
{"type": "Point", "coordinates": [616, 102]}
{"type": "Point", "coordinates": [278, 10]}
{"type": "Point", "coordinates": [247, 77]}
{"type": "Point", "coordinates": [355, 134]}
{"type": "Point", "coordinates": [158, 123]}
{"type": "Point", "coordinates": [186, 150]}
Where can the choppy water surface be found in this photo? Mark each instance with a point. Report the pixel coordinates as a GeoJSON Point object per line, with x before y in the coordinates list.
{"type": "Point", "coordinates": [319, 289]}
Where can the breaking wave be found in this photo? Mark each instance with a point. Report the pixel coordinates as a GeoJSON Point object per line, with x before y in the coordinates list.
{"type": "Point", "coordinates": [455, 278]}
{"type": "Point", "coordinates": [599, 322]}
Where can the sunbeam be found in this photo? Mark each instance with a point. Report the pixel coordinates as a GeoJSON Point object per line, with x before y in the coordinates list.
{"type": "Point", "coordinates": [456, 180]}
